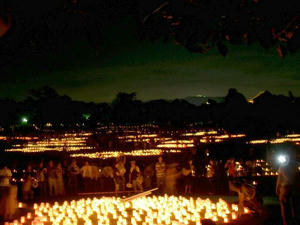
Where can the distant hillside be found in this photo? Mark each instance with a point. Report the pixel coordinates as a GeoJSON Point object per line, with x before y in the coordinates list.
{"type": "Point", "coordinates": [199, 100]}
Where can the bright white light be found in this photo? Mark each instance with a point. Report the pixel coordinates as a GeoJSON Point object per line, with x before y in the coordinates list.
{"type": "Point", "coordinates": [282, 159]}
{"type": "Point", "coordinates": [24, 120]}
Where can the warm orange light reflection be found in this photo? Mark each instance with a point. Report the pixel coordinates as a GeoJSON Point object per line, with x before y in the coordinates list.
{"type": "Point", "coordinates": [146, 210]}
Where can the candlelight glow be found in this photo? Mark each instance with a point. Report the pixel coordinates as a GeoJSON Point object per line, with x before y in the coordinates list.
{"type": "Point", "coordinates": [145, 210]}
{"type": "Point", "coordinates": [287, 138]}
{"type": "Point", "coordinates": [114, 154]}
{"type": "Point", "coordinates": [68, 142]}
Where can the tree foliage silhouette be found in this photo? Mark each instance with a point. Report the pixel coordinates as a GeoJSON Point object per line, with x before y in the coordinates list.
{"type": "Point", "coordinates": [200, 25]}
{"type": "Point", "coordinates": [266, 115]}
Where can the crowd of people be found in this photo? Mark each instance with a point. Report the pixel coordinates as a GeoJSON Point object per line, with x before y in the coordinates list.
{"type": "Point", "coordinates": [59, 178]}
{"type": "Point", "coordinates": [50, 179]}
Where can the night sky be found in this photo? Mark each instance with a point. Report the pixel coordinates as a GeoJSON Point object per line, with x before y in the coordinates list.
{"type": "Point", "coordinates": [152, 69]}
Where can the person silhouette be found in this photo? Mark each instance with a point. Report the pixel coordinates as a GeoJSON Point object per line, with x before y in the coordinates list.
{"type": "Point", "coordinates": [284, 188]}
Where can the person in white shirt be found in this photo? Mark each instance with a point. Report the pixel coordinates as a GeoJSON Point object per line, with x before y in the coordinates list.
{"type": "Point", "coordinates": [8, 195]}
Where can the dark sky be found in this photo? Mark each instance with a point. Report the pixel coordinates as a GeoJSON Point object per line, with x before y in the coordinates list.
{"type": "Point", "coordinates": [152, 69]}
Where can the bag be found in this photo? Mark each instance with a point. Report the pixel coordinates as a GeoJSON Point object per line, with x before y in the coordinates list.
{"type": "Point", "coordinates": [35, 183]}
{"type": "Point", "coordinates": [185, 171]}
{"type": "Point", "coordinates": [140, 179]}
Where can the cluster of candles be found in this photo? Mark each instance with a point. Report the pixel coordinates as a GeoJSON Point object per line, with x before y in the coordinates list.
{"type": "Point", "coordinates": [267, 170]}
{"type": "Point", "coordinates": [177, 144]}
{"type": "Point", "coordinates": [162, 210]}
{"type": "Point", "coordinates": [201, 133]}
{"type": "Point", "coordinates": [220, 138]}
{"type": "Point", "coordinates": [4, 138]}
{"type": "Point", "coordinates": [114, 154]}
{"type": "Point", "coordinates": [138, 136]}
{"type": "Point", "coordinates": [287, 138]}
{"type": "Point", "coordinates": [68, 142]}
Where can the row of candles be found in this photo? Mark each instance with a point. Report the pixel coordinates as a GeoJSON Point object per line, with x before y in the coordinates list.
{"type": "Point", "coordinates": [114, 154]}
{"type": "Point", "coordinates": [164, 210]}
{"type": "Point", "coordinates": [287, 138]}
{"type": "Point", "coordinates": [78, 141]}
{"type": "Point", "coordinates": [68, 142]}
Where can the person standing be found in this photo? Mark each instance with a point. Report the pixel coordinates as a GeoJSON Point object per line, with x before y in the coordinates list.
{"type": "Point", "coordinates": [65, 172]}
{"type": "Point", "coordinates": [284, 189]}
{"type": "Point", "coordinates": [172, 174]}
{"type": "Point", "coordinates": [160, 168]}
{"type": "Point", "coordinates": [8, 195]}
{"type": "Point", "coordinates": [107, 180]}
{"type": "Point", "coordinates": [119, 174]}
{"type": "Point", "coordinates": [87, 174]}
{"type": "Point", "coordinates": [5, 175]}
{"type": "Point", "coordinates": [188, 173]}
{"type": "Point", "coordinates": [149, 173]}
{"type": "Point", "coordinates": [95, 177]}
{"type": "Point", "coordinates": [135, 177]}
{"type": "Point", "coordinates": [73, 171]}
{"type": "Point", "coordinates": [60, 182]}
{"type": "Point", "coordinates": [27, 184]}
{"type": "Point", "coordinates": [210, 174]}
{"type": "Point", "coordinates": [230, 167]}
{"type": "Point", "coordinates": [41, 177]}
{"type": "Point", "coordinates": [52, 179]}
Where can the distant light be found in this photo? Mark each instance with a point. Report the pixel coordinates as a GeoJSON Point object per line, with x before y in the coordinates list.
{"type": "Point", "coordinates": [24, 120]}
{"type": "Point", "coordinates": [282, 159]}
{"type": "Point", "coordinates": [86, 116]}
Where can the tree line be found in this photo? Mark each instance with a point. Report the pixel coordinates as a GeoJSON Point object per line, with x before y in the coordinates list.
{"type": "Point", "coordinates": [266, 114]}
